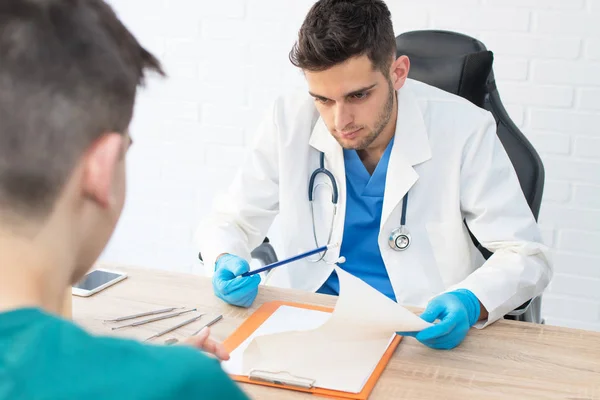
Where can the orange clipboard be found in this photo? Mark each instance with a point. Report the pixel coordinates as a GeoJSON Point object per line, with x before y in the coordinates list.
{"type": "Point", "coordinates": [263, 313]}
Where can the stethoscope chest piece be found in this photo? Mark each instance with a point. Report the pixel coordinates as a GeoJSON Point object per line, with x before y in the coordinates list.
{"type": "Point", "coordinates": [399, 239]}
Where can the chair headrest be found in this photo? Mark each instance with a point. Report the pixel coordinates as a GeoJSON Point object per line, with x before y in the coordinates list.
{"type": "Point", "coordinates": [452, 62]}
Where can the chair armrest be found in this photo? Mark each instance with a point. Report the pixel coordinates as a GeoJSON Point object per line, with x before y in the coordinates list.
{"type": "Point", "coordinates": [522, 309]}
{"type": "Point", "coordinates": [531, 311]}
{"type": "Point", "coordinates": [265, 253]}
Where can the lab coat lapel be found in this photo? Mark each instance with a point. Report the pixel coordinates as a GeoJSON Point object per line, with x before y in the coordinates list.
{"type": "Point", "coordinates": [322, 140]}
{"type": "Point", "coordinates": [411, 147]}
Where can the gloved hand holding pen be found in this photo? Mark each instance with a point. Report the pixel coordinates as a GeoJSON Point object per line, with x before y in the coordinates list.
{"type": "Point", "coordinates": [229, 286]}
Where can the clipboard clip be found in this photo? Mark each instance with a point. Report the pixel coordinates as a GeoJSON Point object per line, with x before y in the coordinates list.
{"type": "Point", "coordinates": [281, 378]}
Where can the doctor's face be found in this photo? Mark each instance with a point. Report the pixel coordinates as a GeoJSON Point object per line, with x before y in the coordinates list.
{"type": "Point", "coordinates": [355, 100]}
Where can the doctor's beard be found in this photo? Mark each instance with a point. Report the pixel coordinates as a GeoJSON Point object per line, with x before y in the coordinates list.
{"type": "Point", "coordinates": [382, 121]}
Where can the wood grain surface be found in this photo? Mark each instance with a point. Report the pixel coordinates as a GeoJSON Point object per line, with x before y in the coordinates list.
{"type": "Point", "coordinates": [507, 360]}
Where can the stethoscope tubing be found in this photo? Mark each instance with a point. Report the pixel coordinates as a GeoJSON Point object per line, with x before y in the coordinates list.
{"type": "Point", "coordinates": [402, 230]}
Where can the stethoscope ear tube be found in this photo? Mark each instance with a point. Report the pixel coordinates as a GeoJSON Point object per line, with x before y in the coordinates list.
{"type": "Point", "coordinates": [313, 177]}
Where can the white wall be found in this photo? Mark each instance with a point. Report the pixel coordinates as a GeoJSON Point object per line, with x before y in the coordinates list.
{"type": "Point", "coordinates": [227, 59]}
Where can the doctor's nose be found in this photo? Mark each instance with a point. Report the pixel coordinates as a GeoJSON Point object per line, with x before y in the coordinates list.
{"type": "Point", "coordinates": [342, 118]}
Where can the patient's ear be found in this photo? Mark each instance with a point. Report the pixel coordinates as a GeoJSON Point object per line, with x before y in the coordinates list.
{"type": "Point", "coordinates": [101, 168]}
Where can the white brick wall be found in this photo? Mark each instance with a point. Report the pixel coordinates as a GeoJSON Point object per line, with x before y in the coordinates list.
{"type": "Point", "coordinates": [228, 59]}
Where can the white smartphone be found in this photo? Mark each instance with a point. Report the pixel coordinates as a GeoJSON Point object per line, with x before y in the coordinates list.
{"type": "Point", "coordinates": [97, 280]}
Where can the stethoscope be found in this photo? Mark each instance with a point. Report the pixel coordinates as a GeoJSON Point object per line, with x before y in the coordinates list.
{"type": "Point", "coordinates": [399, 238]}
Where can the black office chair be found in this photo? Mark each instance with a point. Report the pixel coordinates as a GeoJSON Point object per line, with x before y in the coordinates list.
{"type": "Point", "coordinates": [462, 65]}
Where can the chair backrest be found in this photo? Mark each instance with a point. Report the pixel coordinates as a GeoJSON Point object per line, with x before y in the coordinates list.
{"type": "Point", "coordinates": [434, 56]}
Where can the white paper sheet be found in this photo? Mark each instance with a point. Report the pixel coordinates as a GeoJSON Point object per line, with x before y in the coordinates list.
{"type": "Point", "coordinates": [284, 319]}
{"type": "Point", "coordinates": [339, 351]}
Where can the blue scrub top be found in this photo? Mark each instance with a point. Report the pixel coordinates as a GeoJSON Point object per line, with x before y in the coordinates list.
{"type": "Point", "coordinates": [361, 228]}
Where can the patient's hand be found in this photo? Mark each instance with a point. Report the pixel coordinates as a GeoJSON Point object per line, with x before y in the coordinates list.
{"type": "Point", "coordinates": [203, 342]}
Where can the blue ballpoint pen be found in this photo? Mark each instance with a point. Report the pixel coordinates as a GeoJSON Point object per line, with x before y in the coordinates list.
{"type": "Point", "coordinates": [289, 260]}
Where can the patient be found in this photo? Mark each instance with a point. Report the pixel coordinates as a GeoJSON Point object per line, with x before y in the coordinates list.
{"type": "Point", "coordinates": [69, 71]}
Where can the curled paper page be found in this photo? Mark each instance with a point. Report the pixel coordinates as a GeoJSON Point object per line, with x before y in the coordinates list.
{"type": "Point", "coordinates": [366, 309]}
{"type": "Point", "coordinates": [339, 353]}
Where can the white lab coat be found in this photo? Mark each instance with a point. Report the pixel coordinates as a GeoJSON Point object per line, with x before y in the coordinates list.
{"type": "Point", "coordinates": [446, 155]}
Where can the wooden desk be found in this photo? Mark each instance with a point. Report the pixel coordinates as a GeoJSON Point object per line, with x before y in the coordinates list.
{"type": "Point", "coordinates": [507, 360]}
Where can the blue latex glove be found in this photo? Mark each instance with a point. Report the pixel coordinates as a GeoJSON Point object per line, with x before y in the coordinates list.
{"type": "Point", "coordinates": [229, 287]}
{"type": "Point", "coordinates": [457, 311]}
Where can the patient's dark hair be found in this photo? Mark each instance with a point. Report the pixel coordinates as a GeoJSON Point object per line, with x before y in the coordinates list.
{"type": "Point", "coordinates": [69, 72]}
{"type": "Point", "coordinates": [337, 30]}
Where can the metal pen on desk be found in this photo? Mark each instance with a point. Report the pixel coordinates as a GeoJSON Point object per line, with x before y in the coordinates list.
{"type": "Point", "coordinates": [210, 323]}
{"type": "Point", "coordinates": [147, 321]}
{"type": "Point", "coordinates": [189, 321]}
{"type": "Point", "coordinates": [144, 314]}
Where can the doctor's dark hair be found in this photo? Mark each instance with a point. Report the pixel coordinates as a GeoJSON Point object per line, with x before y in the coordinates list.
{"type": "Point", "coordinates": [69, 72]}
{"type": "Point", "coordinates": [337, 30]}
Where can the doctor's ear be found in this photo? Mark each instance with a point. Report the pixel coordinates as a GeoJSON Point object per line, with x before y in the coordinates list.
{"type": "Point", "coordinates": [399, 71]}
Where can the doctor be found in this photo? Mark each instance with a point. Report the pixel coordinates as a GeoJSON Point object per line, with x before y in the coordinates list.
{"type": "Point", "coordinates": [393, 167]}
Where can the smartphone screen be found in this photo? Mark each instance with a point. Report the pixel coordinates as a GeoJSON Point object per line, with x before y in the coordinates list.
{"type": "Point", "coordinates": [94, 279]}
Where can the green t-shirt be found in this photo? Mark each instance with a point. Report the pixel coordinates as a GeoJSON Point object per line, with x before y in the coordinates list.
{"type": "Point", "coordinates": [45, 357]}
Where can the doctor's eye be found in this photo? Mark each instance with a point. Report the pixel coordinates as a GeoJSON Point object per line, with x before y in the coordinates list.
{"type": "Point", "coordinates": [321, 100]}
{"type": "Point", "coordinates": [359, 96]}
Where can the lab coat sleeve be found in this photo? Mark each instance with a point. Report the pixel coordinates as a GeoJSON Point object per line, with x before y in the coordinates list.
{"type": "Point", "coordinates": [498, 215]}
{"type": "Point", "coordinates": [242, 215]}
